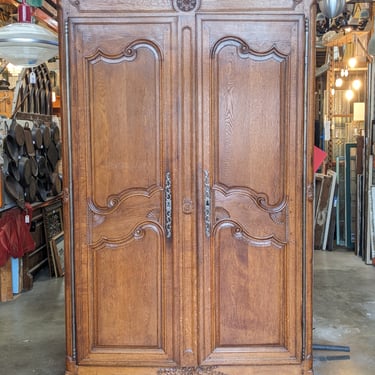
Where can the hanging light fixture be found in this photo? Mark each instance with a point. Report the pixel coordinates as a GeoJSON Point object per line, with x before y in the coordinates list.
{"type": "Point", "coordinates": [344, 72]}
{"type": "Point", "coordinates": [349, 94]}
{"type": "Point", "coordinates": [339, 82]}
{"type": "Point", "coordinates": [332, 8]}
{"type": "Point", "coordinates": [356, 84]}
{"type": "Point", "coordinates": [25, 43]}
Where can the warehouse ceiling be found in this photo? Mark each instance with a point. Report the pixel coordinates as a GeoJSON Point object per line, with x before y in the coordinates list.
{"type": "Point", "coordinates": [46, 15]}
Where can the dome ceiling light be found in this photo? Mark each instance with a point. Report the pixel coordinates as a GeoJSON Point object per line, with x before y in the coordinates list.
{"type": "Point", "coordinates": [25, 43]}
{"type": "Point", "coordinates": [332, 8]}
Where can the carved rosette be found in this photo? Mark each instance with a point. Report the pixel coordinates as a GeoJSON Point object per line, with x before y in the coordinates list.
{"type": "Point", "coordinates": [186, 5]}
{"type": "Point", "coordinates": [75, 3]}
{"type": "Point", "coordinates": [190, 371]}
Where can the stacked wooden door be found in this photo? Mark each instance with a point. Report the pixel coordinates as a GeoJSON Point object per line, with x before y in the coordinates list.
{"type": "Point", "coordinates": [189, 164]}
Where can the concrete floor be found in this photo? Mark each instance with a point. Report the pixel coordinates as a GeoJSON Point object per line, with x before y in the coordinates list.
{"type": "Point", "coordinates": [32, 330]}
{"type": "Point", "coordinates": [344, 313]}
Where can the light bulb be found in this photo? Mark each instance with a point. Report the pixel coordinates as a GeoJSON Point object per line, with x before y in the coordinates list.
{"type": "Point", "coordinates": [349, 94]}
{"type": "Point", "coordinates": [352, 62]}
{"type": "Point", "coordinates": [356, 84]}
{"type": "Point", "coordinates": [339, 82]}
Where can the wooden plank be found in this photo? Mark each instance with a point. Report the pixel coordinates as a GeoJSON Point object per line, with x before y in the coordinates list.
{"type": "Point", "coordinates": [321, 212]}
{"type": "Point", "coordinates": [350, 194]}
{"type": "Point", "coordinates": [6, 290]}
{"type": "Point", "coordinates": [367, 247]}
{"type": "Point", "coordinates": [329, 207]}
{"type": "Point", "coordinates": [340, 204]}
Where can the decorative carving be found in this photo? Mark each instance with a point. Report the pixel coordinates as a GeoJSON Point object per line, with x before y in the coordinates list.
{"type": "Point", "coordinates": [115, 200]}
{"type": "Point", "coordinates": [211, 370]}
{"type": "Point", "coordinates": [97, 220]}
{"type": "Point", "coordinates": [239, 233]}
{"type": "Point", "coordinates": [232, 205]}
{"type": "Point", "coordinates": [138, 233]}
{"type": "Point", "coordinates": [310, 193]}
{"type": "Point", "coordinates": [187, 206]}
{"type": "Point", "coordinates": [221, 214]}
{"type": "Point", "coordinates": [263, 49]}
{"type": "Point", "coordinates": [154, 214]}
{"type": "Point", "coordinates": [279, 217]}
{"type": "Point", "coordinates": [186, 5]}
{"type": "Point", "coordinates": [129, 53]}
{"type": "Point", "coordinates": [66, 195]}
{"type": "Point", "coordinates": [75, 3]}
{"type": "Point", "coordinates": [261, 200]}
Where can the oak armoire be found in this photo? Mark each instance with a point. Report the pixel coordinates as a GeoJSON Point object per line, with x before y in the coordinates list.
{"type": "Point", "coordinates": [189, 191]}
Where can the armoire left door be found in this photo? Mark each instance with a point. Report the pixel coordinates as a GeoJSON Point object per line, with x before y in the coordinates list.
{"type": "Point", "coordinates": [187, 201]}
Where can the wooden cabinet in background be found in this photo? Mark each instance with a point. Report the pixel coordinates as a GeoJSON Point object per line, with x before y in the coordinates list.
{"type": "Point", "coordinates": [188, 130]}
{"type": "Point", "coordinates": [46, 223]}
{"type": "Point", "coordinates": [32, 262]}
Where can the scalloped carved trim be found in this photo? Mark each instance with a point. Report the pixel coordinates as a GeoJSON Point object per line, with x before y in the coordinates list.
{"type": "Point", "coordinates": [260, 199]}
{"type": "Point", "coordinates": [129, 53]}
{"type": "Point", "coordinates": [114, 201]}
{"type": "Point", "coordinates": [239, 233]}
{"type": "Point", "coordinates": [261, 49]}
{"type": "Point", "coordinates": [190, 371]}
{"type": "Point", "coordinates": [138, 233]}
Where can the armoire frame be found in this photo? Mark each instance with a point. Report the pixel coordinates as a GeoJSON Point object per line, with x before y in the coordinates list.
{"type": "Point", "coordinates": [188, 139]}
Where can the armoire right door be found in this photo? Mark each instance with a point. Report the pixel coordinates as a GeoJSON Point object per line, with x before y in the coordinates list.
{"type": "Point", "coordinates": [250, 110]}
{"type": "Point", "coordinates": [188, 197]}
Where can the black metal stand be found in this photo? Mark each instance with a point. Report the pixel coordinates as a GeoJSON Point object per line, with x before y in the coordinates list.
{"type": "Point", "coordinates": [335, 348]}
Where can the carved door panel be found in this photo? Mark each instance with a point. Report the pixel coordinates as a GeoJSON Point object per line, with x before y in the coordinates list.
{"type": "Point", "coordinates": [122, 147]}
{"type": "Point", "coordinates": [251, 122]}
{"type": "Point", "coordinates": [185, 131]}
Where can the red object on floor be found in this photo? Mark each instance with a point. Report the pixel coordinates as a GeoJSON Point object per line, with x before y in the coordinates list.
{"type": "Point", "coordinates": [319, 156]}
{"type": "Point", "coordinates": [15, 236]}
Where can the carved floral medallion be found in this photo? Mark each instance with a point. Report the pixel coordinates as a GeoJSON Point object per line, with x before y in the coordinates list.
{"type": "Point", "coordinates": [186, 5]}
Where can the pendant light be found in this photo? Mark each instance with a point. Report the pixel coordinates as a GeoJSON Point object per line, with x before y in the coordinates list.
{"type": "Point", "coordinates": [332, 8]}
{"type": "Point", "coordinates": [26, 44]}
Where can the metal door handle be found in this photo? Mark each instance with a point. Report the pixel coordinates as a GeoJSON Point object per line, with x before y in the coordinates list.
{"type": "Point", "coordinates": [207, 203]}
{"type": "Point", "coordinates": [168, 205]}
